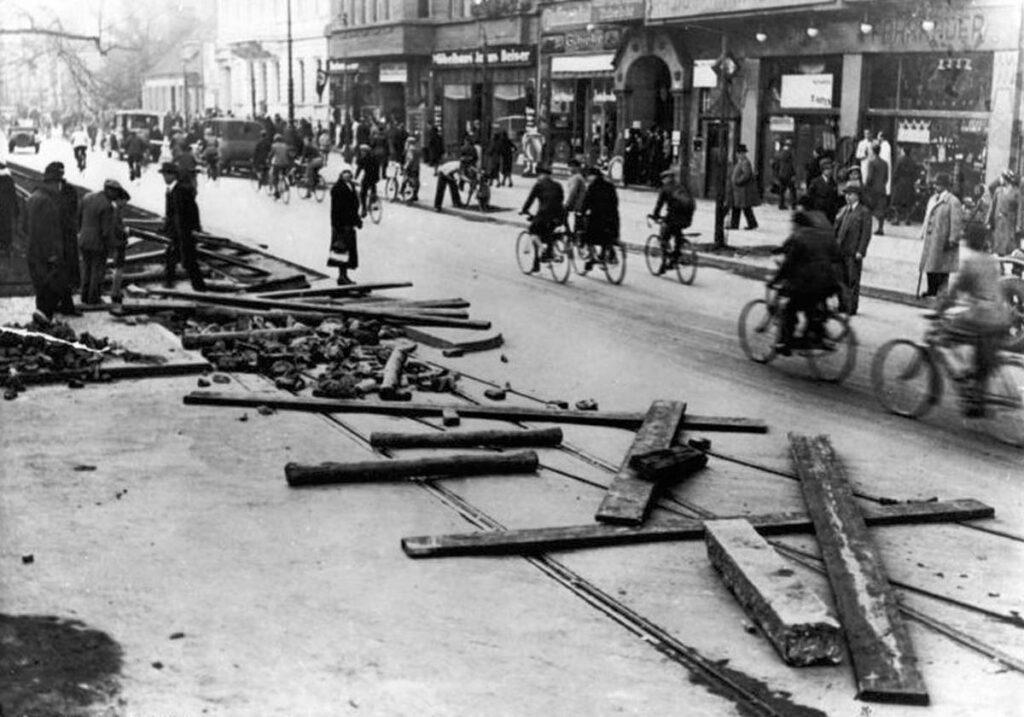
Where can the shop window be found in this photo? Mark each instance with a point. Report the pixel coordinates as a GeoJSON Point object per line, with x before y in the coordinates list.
{"type": "Point", "coordinates": [959, 82]}
{"type": "Point", "coordinates": [785, 73]}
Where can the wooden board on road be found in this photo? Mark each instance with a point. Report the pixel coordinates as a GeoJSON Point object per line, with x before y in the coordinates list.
{"type": "Point", "coordinates": [628, 420]}
{"type": "Point", "coordinates": [629, 497]}
{"type": "Point", "coordinates": [595, 535]}
{"type": "Point", "coordinates": [883, 656]}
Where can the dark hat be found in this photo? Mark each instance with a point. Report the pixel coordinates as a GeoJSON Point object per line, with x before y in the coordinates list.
{"type": "Point", "coordinates": [543, 169]}
{"type": "Point", "coordinates": [853, 187]}
{"type": "Point", "coordinates": [824, 162]}
{"type": "Point", "coordinates": [942, 180]}
{"type": "Point", "coordinates": [741, 148]}
{"type": "Point", "coordinates": [54, 172]}
{"type": "Point", "coordinates": [114, 187]}
{"type": "Point", "coordinates": [169, 168]}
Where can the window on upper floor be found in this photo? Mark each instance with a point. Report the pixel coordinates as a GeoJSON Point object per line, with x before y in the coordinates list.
{"type": "Point", "coordinates": [387, 9]}
{"type": "Point", "coordinates": [302, 81]}
{"type": "Point", "coordinates": [373, 10]}
{"type": "Point", "coordinates": [423, 8]}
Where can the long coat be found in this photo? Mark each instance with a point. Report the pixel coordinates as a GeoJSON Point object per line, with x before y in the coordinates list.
{"type": "Point", "coordinates": [875, 183]}
{"type": "Point", "coordinates": [1002, 218]}
{"type": "Point", "coordinates": [601, 205]}
{"type": "Point", "coordinates": [344, 222]}
{"type": "Point", "coordinates": [824, 196]}
{"type": "Point", "coordinates": [97, 223]}
{"type": "Point", "coordinates": [903, 177]}
{"type": "Point", "coordinates": [47, 264]}
{"type": "Point", "coordinates": [69, 230]}
{"type": "Point", "coordinates": [8, 209]}
{"type": "Point", "coordinates": [853, 230]}
{"type": "Point", "coordinates": [742, 187]}
{"type": "Point", "coordinates": [941, 232]}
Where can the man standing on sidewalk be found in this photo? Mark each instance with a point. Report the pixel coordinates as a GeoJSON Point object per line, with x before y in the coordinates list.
{"type": "Point", "coordinates": [822, 193]}
{"type": "Point", "coordinates": [181, 218]}
{"type": "Point", "coordinates": [943, 227]}
{"type": "Point", "coordinates": [47, 261]}
{"type": "Point", "coordinates": [853, 232]}
{"type": "Point", "coordinates": [875, 183]}
{"type": "Point", "coordinates": [785, 174]}
{"type": "Point", "coordinates": [742, 190]}
{"type": "Point", "coordinates": [96, 238]}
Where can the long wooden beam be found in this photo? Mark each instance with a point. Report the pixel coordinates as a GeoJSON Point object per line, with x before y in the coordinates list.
{"type": "Point", "coordinates": [629, 496]}
{"type": "Point", "coordinates": [883, 656]}
{"type": "Point", "coordinates": [346, 290]}
{"type": "Point", "coordinates": [470, 464]}
{"type": "Point", "coordinates": [595, 535]}
{"type": "Point", "coordinates": [455, 439]}
{"type": "Point", "coordinates": [628, 420]}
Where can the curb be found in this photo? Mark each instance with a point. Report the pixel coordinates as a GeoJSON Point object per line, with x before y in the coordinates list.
{"type": "Point", "coordinates": [735, 266]}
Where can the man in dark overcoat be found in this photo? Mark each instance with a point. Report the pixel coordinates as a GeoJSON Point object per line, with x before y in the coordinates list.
{"type": "Point", "coordinates": [853, 233]}
{"type": "Point", "coordinates": [47, 261]}
{"type": "Point", "coordinates": [742, 195]}
{"type": "Point", "coordinates": [8, 210]}
{"type": "Point", "coordinates": [181, 219]}
{"type": "Point", "coordinates": [601, 211]}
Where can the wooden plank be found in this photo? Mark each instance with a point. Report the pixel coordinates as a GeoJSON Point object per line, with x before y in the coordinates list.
{"type": "Point", "coordinates": [451, 347]}
{"type": "Point", "coordinates": [880, 648]}
{"type": "Point", "coordinates": [479, 464]}
{"type": "Point", "coordinates": [119, 372]}
{"type": "Point", "coordinates": [791, 615]}
{"type": "Point", "coordinates": [456, 439]}
{"type": "Point", "coordinates": [629, 497]}
{"type": "Point", "coordinates": [346, 290]}
{"type": "Point", "coordinates": [628, 420]}
{"type": "Point", "coordinates": [191, 340]}
{"type": "Point", "coordinates": [591, 535]}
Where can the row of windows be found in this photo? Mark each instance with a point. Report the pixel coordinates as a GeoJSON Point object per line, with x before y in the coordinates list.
{"type": "Point", "coordinates": [255, 12]}
{"type": "Point", "coordinates": [272, 80]}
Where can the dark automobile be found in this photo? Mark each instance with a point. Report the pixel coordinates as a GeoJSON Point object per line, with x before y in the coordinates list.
{"type": "Point", "coordinates": [23, 134]}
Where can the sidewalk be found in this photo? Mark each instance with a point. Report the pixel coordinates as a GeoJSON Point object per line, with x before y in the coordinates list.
{"type": "Point", "coordinates": [890, 268]}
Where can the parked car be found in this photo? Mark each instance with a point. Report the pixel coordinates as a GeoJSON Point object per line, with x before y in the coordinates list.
{"type": "Point", "coordinates": [146, 124]}
{"type": "Point", "coordinates": [23, 133]}
{"type": "Point", "coordinates": [237, 140]}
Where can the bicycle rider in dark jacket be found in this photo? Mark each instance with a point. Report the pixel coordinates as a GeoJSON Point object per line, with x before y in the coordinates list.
{"type": "Point", "coordinates": [261, 154]}
{"type": "Point", "coordinates": [807, 276]}
{"type": "Point", "coordinates": [550, 211]}
{"type": "Point", "coordinates": [679, 208]}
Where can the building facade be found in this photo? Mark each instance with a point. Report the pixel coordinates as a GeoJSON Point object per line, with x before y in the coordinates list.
{"type": "Point", "coordinates": [251, 57]}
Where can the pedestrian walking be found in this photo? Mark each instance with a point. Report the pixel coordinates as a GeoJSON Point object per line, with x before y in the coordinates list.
{"type": "Point", "coordinates": [742, 195]}
{"type": "Point", "coordinates": [345, 220]}
{"type": "Point", "coordinates": [784, 169]}
{"type": "Point", "coordinates": [181, 219]}
{"type": "Point", "coordinates": [904, 191]}
{"type": "Point", "coordinates": [47, 262]}
{"type": "Point", "coordinates": [434, 152]}
{"type": "Point", "coordinates": [411, 167]}
{"type": "Point", "coordinates": [875, 183]}
{"type": "Point", "coordinates": [368, 174]}
{"type": "Point", "coordinates": [853, 233]}
{"type": "Point", "coordinates": [8, 211]}
{"type": "Point", "coordinates": [1003, 213]}
{"type": "Point", "coordinates": [449, 175]}
{"type": "Point", "coordinates": [135, 153]}
{"type": "Point", "coordinates": [863, 152]}
{"type": "Point", "coordinates": [97, 237]}
{"type": "Point", "coordinates": [941, 232]}
{"type": "Point", "coordinates": [506, 158]}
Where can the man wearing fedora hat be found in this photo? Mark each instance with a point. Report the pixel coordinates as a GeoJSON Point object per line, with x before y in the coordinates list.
{"type": "Point", "coordinates": [822, 191]}
{"type": "Point", "coordinates": [47, 261]}
{"type": "Point", "coordinates": [853, 232]}
{"type": "Point", "coordinates": [181, 218]}
{"type": "Point", "coordinates": [742, 195]}
{"type": "Point", "coordinates": [941, 232]}
{"type": "Point", "coordinates": [97, 236]}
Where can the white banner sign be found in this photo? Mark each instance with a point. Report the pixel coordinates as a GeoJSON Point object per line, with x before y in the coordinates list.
{"type": "Point", "coordinates": [393, 72]}
{"type": "Point", "coordinates": [704, 74]}
{"type": "Point", "coordinates": [807, 91]}
{"type": "Point", "coordinates": [783, 123]}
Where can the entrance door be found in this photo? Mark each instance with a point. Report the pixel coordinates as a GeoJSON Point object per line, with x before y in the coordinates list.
{"type": "Point", "coordinates": [716, 158]}
{"type": "Point", "coordinates": [651, 101]}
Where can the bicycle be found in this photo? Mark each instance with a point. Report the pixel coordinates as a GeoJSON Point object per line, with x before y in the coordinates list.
{"type": "Point", "coordinates": [374, 206]}
{"type": "Point", "coordinates": [685, 263]}
{"type": "Point", "coordinates": [280, 183]}
{"type": "Point", "coordinates": [401, 186]}
{"type": "Point", "coordinates": [612, 257]}
{"type": "Point", "coordinates": [906, 377]}
{"type": "Point", "coordinates": [555, 254]}
{"type": "Point", "coordinates": [316, 189]}
{"type": "Point", "coordinates": [760, 324]}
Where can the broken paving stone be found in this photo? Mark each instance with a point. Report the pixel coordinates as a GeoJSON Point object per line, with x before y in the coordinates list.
{"type": "Point", "coordinates": [203, 382]}
{"type": "Point", "coordinates": [564, 405]}
{"type": "Point", "coordinates": [28, 559]}
{"type": "Point", "coordinates": [587, 404]}
{"type": "Point", "coordinates": [220, 378]}
{"type": "Point", "coordinates": [495, 394]}
{"type": "Point", "coordinates": [701, 444]}
{"type": "Point", "coordinates": [503, 358]}
{"type": "Point", "coordinates": [265, 410]}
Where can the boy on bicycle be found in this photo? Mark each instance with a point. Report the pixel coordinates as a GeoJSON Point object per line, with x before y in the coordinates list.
{"type": "Point", "coordinates": [550, 213]}
{"type": "Point", "coordinates": [984, 321]}
{"type": "Point", "coordinates": [807, 277]}
{"type": "Point", "coordinates": [280, 161]}
{"type": "Point", "coordinates": [679, 208]}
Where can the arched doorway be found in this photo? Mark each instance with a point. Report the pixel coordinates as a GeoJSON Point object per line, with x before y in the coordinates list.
{"type": "Point", "coordinates": [649, 83]}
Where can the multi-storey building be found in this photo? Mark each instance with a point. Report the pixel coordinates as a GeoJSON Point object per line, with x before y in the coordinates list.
{"type": "Point", "coordinates": [252, 56]}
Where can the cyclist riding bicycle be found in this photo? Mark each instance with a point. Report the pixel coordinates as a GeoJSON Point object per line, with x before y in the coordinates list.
{"type": "Point", "coordinates": [550, 214]}
{"type": "Point", "coordinates": [985, 319]}
{"type": "Point", "coordinates": [576, 187]}
{"type": "Point", "coordinates": [368, 174]}
{"type": "Point", "coordinates": [79, 143]}
{"type": "Point", "coordinates": [280, 161]}
{"type": "Point", "coordinates": [679, 208]}
{"type": "Point", "coordinates": [312, 160]}
{"type": "Point", "coordinates": [261, 156]}
{"type": "Point", "coordinates": [412, 158]}
{"type": "Point", "coordinates": [600, 211]}
{"type": "Point", "coordinates": [807, 277]}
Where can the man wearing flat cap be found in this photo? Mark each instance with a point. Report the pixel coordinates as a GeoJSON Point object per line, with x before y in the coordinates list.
{"type": "Point", "coordinates": [941, 232]}
{"type": "Point", "coordinates": [853, 232]}
{"type": "Point", "coordinates": [181, 219]}
{"type": "Point", "coordinates": [97, 236]}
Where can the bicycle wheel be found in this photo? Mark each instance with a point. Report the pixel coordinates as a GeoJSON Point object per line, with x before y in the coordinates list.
{"type": "Point", "coordinates": [615, 264]}
{"type": "Point", "coordinates": [686, 264]}
{"type": "Point", "coordinates": [376, 209]}
{"type": "Point", "coordinates": [578, 253]}
{"type": "Point", "coordinates": [284, 188]}
{"type": "Point", "coordinates": [408, 190]}
{"type": "Point", "coordinates": [320, 189]}
{"type": "Point", "coordinates": [653, 255]}
{"type": "Point", "coordinates": [1013, 291]}
{"type": "Point", "coordinates": [836, 364]}
{"type": "Point", "coordinates": [525, 252]}
{"type": "Point", "coordinates": [559, 264]}
{"type": "Point", "coordinates": [1005, 402]}
{"type": "Point", "coordinates": [391, 189]}
{"type": "Point", "coordinates": [905, 379]}
{"type": "Point", "coordinates": [758, 330]}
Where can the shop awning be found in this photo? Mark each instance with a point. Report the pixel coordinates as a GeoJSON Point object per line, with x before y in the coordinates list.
{"type": "Point", "coordinates": [582, 65]}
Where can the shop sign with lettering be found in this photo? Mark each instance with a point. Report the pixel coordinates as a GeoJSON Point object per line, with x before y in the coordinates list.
{"type": "Point", "coordinates": [566, 14]}
{"type": "Point", "coordinates": [806, 91]}
{"type": "Point", "coordinates": [599, 39]}
{"type": "Point", "coordinates": [393, 72]}
{"type": "Point", "coordinates": [781, 123]}
{"type": "Point", "coordinates": [512, 55]}
{"type": "Point", "coordinates": [668, 9]}
{"type": "Point", "coordinates": [616, 10]}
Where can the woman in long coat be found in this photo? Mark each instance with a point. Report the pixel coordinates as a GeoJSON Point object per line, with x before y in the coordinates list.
{"type": "Point", "coordinates": [943, 227]}
{"type": "Point", "coordinates": [345, 220]}
{"type": "Point", "coordinates": [1002, 214]}
{"type": "Point", "coordinates": [904, 175]}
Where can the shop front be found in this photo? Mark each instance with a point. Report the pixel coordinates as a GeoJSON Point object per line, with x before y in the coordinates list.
{"type": "Point", "coordinates": [478, 87]}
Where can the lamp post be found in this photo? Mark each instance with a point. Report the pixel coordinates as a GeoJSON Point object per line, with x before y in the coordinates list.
{"type": "Point", "coordinates": [291, 80]}
{"type": "Point", "coordinates": [189, 50]}
{"type": "Point", "coordinates": [725, 67]}
{"type": "Point", "coordinates": [481, 11]}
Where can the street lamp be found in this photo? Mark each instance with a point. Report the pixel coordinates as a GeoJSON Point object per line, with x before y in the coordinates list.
{"type": "Point", "coordinates": [726, 67]}
{"type": "Point", "coordinates": [291, 80]}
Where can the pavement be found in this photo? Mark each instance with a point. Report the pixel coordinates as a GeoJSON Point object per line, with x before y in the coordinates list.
{"type": "Point", "coordinates": [215, 589]}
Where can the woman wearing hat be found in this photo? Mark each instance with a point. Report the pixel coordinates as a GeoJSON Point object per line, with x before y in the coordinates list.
{"type": "Point", "coordinates": [1003, 212]}
{"type": "Point", "coordinates": [742, 195]}
{"type": "Point", "coordinates": [345, 219]}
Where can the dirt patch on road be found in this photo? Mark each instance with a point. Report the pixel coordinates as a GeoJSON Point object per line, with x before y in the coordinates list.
{"type": "Point", "coordinates": [54, 667]}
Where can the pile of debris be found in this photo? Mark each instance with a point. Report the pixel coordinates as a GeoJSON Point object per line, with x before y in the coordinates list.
{"type": "Point", "coordinates": [42, 353]}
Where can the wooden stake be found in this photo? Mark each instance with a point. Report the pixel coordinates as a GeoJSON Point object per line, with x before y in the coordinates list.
{"type": "Point", "coordinates": [456, 439]}
{"type": "Point", "coordinates": [386, 470]}
{"type": "Point", "coordinates": [883, 656]}
{"type": "Point", "coordinates": [391, 379]}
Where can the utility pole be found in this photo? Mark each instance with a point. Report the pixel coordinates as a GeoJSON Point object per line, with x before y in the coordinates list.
{"type": "Point", "coordinates": [291, 79]}
{"type": "Point", "coordinates": [726, 67]}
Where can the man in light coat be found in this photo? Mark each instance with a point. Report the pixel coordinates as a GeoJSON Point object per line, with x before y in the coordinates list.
{"type": "Point", "coordinates": [853, 232]}
{"type": "Point", "coordinates": [1002, 213]}
{"type": "Point", "coordinates": [742, 194]}
{"type": "Point", "coordinates": [941, 232]}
